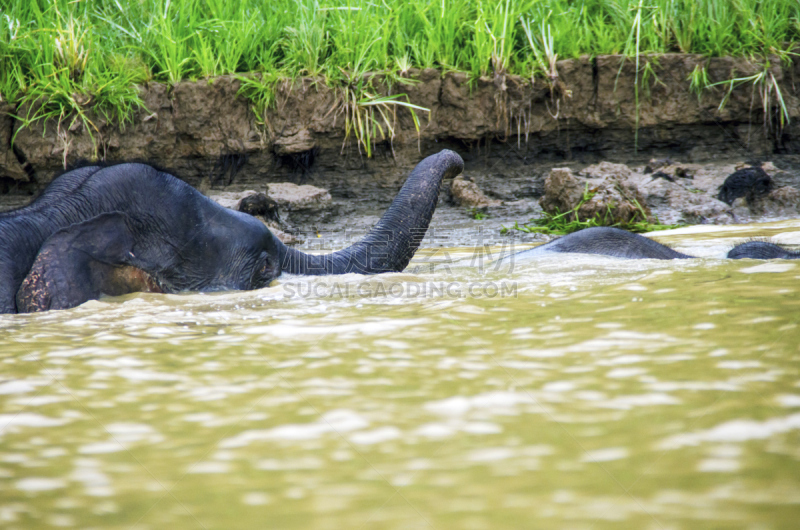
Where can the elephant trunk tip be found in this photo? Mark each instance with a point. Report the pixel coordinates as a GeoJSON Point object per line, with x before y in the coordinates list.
{"type": "Point", "coordinates": [453, 160]}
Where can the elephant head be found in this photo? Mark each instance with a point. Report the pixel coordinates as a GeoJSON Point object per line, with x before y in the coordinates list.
{"type": "Point", "coordinates": [145, 230]}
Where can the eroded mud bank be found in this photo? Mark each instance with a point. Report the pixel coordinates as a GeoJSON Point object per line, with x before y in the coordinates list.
{"type": "Point", "coordinates": [509, 131]}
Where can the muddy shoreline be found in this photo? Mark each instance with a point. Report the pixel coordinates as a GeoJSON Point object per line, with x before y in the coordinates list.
{"type": "Point", "coordinates": [509, 131]}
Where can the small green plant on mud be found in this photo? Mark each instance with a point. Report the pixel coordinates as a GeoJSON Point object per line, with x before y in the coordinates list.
{"type": "Point", "coordinates": [495, 36]}
{"type": "Point", "coordinates": [633, 48]}
{"type": "Point", "coordinates": [649, 76]}
{"type": "Point", "coordinates": [260, 90]}
{"type": "Point", "coordinates": [403, 64]}
{"type": "Point", "coordinates": [698, 81]}
{"type": "Point", "coordinates": [561, 223]}
{"type": "Point", "coordinates": [764, 84]}
{"type": "Point", "coordinates": [371, 118]}
{"type": "Point", "coordinates": [478, 214]}
{"type": "Point", "coordinates": [541, 45]}
{"type": "Point", "coordinates": [544, 65]}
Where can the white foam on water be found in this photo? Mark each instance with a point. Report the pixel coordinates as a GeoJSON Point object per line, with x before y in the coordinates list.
{"type": "Point", "coordinates": [738, 365]}
{"type": "Point", "coordinates": [160, 331]}
{"type": "Point", "coordinates": [620, 340]}
{"type": "Point", "coordinates": [524, 365]}
{"type": "Point", "coordinates": [491, 454]}
{"type": "Point", "coordinates": [88, 351]}
{"type": "Point", "coordinates": [17, 387]}
{"type": "Point", "coordinates": [590, 395]}
{"type": "Point", "coordinates": [434, 430]}
{"type": "Point", "coordinates": [61, 520]}
{"type": "Point", "coordinates": [33, 484]}
{"type": "Point", "coordinates": [671, 386]}
{"type": "Point", "coordinates": [209, 467]}
{"type": "Point", "coordinates": [256, 498]}
{"type": "Point", "coordinates": [122, 436]}
{"type": "Point", "coordinates": [454, 406]}
{"type": "Point", "coordinates": [11, 422]}
{"type": "Point", "coordinates": [788, 400]}
{"type": "Point", "coordinates": [725, 451]}
{"type": "Point", "coordinates": [100, 448]}
{"type": "Point", "coordinates": [558, 386]}
{"type": "Point", "coordinates": [495, 402]}
{"type": "Point", "coordinates": [768, 267]}
{"type": "Point", "coordinates": [95, 482]}
{"type": "Point", "coordinates": [622, 359]}
{"type": "Point", "coordinates": [38, 401]}
{"type": "Point", "coordinates": [147, 375]}
{"type": "Point", "coordinates": [116, 362]}
{"type": "Point", "coordinates": [393, 344]}
{"type": "Point", "coordinates": [206, 418]}
{"type": "Point", "coordinates": [338, 421]}
{"type": "Point", "coordinates": [542, 353]}
{"type": "Point", "coordinates": [302, 331]}
{"type": "Point", "coordinates": [633, 287]}
{"type": "Point", "coordinates": [216, 392]}
{"type": "Point", "coordinates": [481, 427]}
{"type": "Point", "coordinates": [640, 400]}
{"type": "Point", "coordinates": [719, 465]}
{"type": "Point", "coordinates": [382, 434]}
{"type": "Point", "coordinates": [734, 431]}
{"type": "Point", "coordinates": [605, 455]}
{"type": "Point", "coordinates": [290, 464]}
{"type": "Point", "coordinates": [619, 373]}
{"type": "Point", "coordinates": [133, 432]}
{"type": "Point", "coordinates": [53, 452]}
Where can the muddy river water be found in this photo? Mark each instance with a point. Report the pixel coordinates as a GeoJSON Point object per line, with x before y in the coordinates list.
{"type": "Point", "coordinates": [569, 392]}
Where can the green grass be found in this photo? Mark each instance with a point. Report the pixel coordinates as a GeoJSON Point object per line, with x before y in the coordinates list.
{"type": "Point", "coordinates": [562, 223]}
{"type": "Point", "coordinates": [61, 57]}
{"type": "Point", "coordinates": [477, 214]}
{"type": "Point", "coordinates": [764, 84]}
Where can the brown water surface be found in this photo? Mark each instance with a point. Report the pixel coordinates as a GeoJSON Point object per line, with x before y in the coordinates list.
{"type": "Point", "coordinates": [569, 392]}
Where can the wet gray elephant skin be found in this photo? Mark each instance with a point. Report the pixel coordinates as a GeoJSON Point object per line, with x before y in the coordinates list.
{"type": "Point", "coordinates": [130, 227]}
{"type": "Point", "coordinates": [614, 242]}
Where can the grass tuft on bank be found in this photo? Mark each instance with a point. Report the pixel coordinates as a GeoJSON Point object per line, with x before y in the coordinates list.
{"type": "Point", "coordinates": [60, 57]}
{"type": "Point", "coordinates": [562, 223]}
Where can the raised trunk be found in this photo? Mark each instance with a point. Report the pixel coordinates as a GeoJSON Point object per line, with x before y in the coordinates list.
{"type": "Point", "coordinates": [391, 244]}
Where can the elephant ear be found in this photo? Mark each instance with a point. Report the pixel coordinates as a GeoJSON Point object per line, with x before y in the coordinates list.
{"type": "Point", "coordinates": [83, 261]}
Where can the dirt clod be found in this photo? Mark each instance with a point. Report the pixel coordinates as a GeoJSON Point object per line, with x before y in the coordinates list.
{"type": "Point", "coordinates": [290, 196]}
{"type": "Point", "coordinates": [605, 189]}
{"type": "Point", "coordinates": [464, 192]}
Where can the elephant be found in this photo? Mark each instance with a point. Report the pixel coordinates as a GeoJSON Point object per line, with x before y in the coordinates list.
{"type": "Point", "coordinates": [614, 242]}
{"type": "Point", "coordinates": [130, 227]}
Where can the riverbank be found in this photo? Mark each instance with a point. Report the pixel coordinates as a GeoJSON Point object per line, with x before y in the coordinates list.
{"type": "Point", "coordinates": [510, 133]}
{"type": "Point", "coordinates": [206, 132]}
